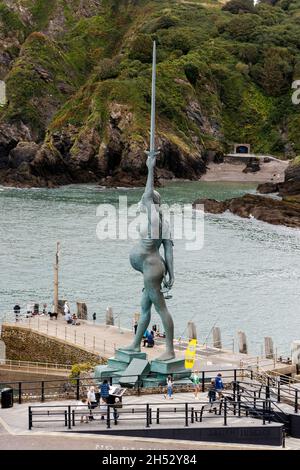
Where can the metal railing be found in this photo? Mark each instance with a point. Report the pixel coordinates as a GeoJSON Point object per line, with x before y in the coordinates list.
{"type": "Point", "coordinates": [144, 414]}
{"type": "Point", "coordinates": [69, 333]}
{"type": "Point", "coordinates": [34, 366]}
{"type": "Point", "coordinates": [72, 387]}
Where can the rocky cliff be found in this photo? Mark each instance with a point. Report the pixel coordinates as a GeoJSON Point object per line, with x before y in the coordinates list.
{"type": "Point", "coordinates": [78, 79]}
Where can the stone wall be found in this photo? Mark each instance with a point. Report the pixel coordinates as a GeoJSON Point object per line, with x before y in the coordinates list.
{"type": "Point", "coordinates": [26, 345]}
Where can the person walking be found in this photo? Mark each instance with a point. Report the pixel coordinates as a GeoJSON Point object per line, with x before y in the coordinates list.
{"type": "Point", "coordinates": [94, 317]}
{"type": "Point", "coordinates": [219, 386]}
{"type": "Point", "coordinates": [135, 326]}
{"type": "Point", "coordinates": [169, 395]}
{"type": "Point", "coordinates": [104, 389]}
{"type": "Point", "coordinates": [211, 394]}
{"type": "Point", "coordinates": [91, 401]}
{"type": "Point", "coordinates": [196, 382]}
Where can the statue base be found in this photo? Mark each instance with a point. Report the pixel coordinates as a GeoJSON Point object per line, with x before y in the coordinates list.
{"type": "Point", "coordinates": [131, 369]}
{"type": "Point", "coordinates": [127, 356]}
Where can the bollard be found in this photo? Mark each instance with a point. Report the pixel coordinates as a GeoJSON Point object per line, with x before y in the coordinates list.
{"type": "Point", "coordinates": [243, 348]}
{"type": "Point", "coordinates": [269, 348]}
{"type": "Point", "coordinates": [217, 342]}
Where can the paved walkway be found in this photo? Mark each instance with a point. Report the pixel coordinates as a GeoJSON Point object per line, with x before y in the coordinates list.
{"type": "Point", "coordinates": [15, 434]}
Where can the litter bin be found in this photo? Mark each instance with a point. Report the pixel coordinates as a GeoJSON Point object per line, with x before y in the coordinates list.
{"type": "Point", "coordinates": [7, 398]}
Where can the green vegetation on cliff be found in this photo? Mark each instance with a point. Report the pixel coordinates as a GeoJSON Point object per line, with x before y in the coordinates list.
{"type": "Point", "coordinates": [224, 72]}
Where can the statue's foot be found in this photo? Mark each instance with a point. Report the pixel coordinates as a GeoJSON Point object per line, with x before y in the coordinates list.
{"type": "Point", "coordinates": [131, 348]}
{"type": "Point", "coordinates": [166, 356]}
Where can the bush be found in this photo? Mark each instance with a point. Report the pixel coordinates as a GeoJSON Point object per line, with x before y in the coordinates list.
{"type": "Point", "coordinates": [141, 48]}
{"type": "Point", "coordinates": [192, 73]}
{"type": "Point", "coordinates": [239, 6]}
{"type": "Point", "coordinates": [108, 68]}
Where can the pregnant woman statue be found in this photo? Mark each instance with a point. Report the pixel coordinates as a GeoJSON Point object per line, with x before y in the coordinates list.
{"type": "Point", "coordinates": [145, 257]}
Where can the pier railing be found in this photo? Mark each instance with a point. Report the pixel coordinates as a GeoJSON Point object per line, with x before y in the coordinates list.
{"type": "Point", "coordinates": [150, 414]}
{"type": "Point", "coordinates": [29, 366]}
{"type": "Point", "coordinates": [76, 387]}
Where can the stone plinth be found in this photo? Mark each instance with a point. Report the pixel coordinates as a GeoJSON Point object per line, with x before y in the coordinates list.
{"type": "Point", "coordinates": [168, 367]}
{"type": "Point", "coordinates": [127, 356]}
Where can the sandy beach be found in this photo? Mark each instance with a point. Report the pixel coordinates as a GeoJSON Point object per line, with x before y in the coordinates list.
{"type": "Point", "coordinates": [272, 171]}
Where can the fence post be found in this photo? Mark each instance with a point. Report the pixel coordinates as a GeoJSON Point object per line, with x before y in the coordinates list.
{"type": "Point", "coordinates": [203, 381]}
{"type": "Point", "coordinates": [264, 412]}
{"type": "Point", "coordinates": [147, 415]}
{"type": "Point", "coordinates": [77, 389]}
{"type": "Point", "coordinates": [108, 417]}
{"type": "Point", "coordinates": [234, 375]}
{"type": "Point", "coordinates": [29, 418]}
{"type": "Point", "coordinates": [66, 418]}
{"type": "Point", "coordinates": [192, 415]}
{"type": "Point", "coordinates": [43, 391]}
{"type": "Point", "coordinates": [296, 401]}
{"type": "Point", "coordinates": [186, 414]}
{"type": "Point", "coordinates": [278, 392]}
{"type": "Point", "coordinates": [225, 413]}
{"type": "Point", "coordinates": [69, 417]}
{"type": "Point", "coordinates": [239, 404]}
{"type": "Point", "coordinates": [20, 393]}
{"type": "Point", "coordinates": [157, 416]}
{"type": "Point", "coordinates": [73, 417]}
{"type": "Point", "coordinates": [251, 374]}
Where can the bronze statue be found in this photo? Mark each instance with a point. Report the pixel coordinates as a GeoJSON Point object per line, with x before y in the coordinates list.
{"type": "Point", "coordinates": [145, 257]}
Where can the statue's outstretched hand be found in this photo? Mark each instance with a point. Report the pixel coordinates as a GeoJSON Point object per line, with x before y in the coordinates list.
{"type": "Point", "coordinates": [151, 161]}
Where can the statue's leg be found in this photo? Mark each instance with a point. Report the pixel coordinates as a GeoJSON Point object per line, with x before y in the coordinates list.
{"type": "Point", "coordinates": [154, 271]}
{"type": "Point", "coordinates": [142, 324]}
{"type": "Point", "coordinates": [167, 321]}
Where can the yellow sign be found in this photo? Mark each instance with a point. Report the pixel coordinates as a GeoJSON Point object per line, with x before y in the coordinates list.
{"type": "Point", "coordinates": [190, 354]}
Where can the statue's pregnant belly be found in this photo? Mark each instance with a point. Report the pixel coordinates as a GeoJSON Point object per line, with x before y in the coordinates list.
{"type": "Point", "coordinates": [145, 250]}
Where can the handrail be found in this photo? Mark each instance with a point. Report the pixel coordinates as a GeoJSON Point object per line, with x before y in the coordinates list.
{"type": "Point", "coordinates": [44, 365]}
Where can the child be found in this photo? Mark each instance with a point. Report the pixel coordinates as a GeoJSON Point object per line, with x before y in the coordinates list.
{"type": "Point", "coordinates": [79, 408]}
{"type": "Point", "coordinates": [169, 387]}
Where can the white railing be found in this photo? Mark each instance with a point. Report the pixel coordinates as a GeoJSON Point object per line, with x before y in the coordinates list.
{"type": "Point", "coordinates": [68, 333]}
{"type": "Point", "coordinates": [33, 366]}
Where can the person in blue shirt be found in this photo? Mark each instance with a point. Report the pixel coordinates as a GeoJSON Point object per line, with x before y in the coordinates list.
{"type": "Point", "coordinates": [219, 386]}
{"type": "Point", "coordinates": [104, 389]}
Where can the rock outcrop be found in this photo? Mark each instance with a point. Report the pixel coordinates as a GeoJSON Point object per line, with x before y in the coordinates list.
{"type": "Point", "coordinates": [78, 81]}
{"type": "Point", "coordinates": [262, 208]}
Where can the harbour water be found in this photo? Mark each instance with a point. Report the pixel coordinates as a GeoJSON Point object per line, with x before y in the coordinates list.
{"type": "Point", "coordinates": [246, 277]}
